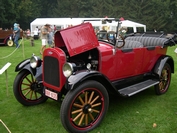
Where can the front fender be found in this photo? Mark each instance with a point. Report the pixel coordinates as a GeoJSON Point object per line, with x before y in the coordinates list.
{"type": "Point", "coordinates": [21, 65]}
{"type": "Point", "coordinates": [37, 72]}
{"type": "Point", "coordinates": [74, 80]}
{"type": "Point", "coordinates": [161, 62]}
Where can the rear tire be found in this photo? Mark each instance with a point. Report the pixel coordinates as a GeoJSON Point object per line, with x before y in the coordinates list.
{"type": "Point", "coordinates": [10, 43]}
{"type": "Point", "coordinates": [165, 79]}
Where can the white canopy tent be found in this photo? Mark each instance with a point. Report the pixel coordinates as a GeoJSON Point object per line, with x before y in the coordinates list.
{"type": "Point", "coordinates": [124, 23]}
{"type": "Point", "coordinates": [64, 22]}
{"type": "Point", "coordinates": [52, 21]}
{"type": "Point", "coordinates": [134, 25]}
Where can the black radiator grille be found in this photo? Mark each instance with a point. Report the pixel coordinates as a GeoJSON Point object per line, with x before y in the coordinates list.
{"type": "Point", "coordinates": [51, 71]}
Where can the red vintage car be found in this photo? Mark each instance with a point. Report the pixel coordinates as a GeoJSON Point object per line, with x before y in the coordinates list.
{"type": "Point", "coordinates": [84, 72]}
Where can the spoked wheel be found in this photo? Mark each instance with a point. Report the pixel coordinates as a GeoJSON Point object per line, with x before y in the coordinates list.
{"type": "Point", "coordinates": [10, 43]}
{"type": "Point", "coordinates": [27, 90]}
{"type": "Point", "coordinates": [165, 79]}
{"type": "Point", "coordinates": [84, 107]}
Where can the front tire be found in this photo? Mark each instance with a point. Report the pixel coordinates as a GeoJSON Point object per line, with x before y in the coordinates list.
{"type": "Point", "coordinates": [27, 90]}
{"type": "Point", "coordinates": [84, 108]}
{"type": "Point", "coordinates": [165, 79]}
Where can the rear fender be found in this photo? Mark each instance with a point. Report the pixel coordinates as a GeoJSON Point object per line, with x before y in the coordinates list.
{"type": "Point", "coordinates": [7, 38]}
{"type": "Point", "coordinates": [75, 80]}
{"type": "Point", "coordinates": [161, 62]}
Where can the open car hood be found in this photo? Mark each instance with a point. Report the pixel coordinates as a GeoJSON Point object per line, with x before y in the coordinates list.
{"type": "Point", "coordinates": [77, 39]}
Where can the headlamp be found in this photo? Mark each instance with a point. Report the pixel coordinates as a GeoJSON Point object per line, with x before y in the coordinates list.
{"type": "Point", "coordinates": [35, 62]}
{"type": "Point", "coordinates": [68, 69]}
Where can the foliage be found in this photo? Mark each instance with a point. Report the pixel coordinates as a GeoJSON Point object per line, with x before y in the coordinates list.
{"type": "Point", "coordinates": [156, 14]}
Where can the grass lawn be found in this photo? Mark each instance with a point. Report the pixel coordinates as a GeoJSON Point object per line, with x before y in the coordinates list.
{"type": "Point", "coordinates": [136, 114]}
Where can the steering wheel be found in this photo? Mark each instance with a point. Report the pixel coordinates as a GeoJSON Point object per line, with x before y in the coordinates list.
{"type": "Point", "coordinates": [120, 39]}
{"type": "Point", "coordinates": [114, 40]}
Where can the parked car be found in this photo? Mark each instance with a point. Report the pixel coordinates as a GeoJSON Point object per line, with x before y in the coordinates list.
{"type": "Point", "coordinates": [6, 37]}
{"type": "Point", "coordinates": [84, 72]}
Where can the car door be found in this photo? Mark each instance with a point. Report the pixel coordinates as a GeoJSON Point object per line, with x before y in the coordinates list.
{"type": "Point", "coordinates": [129, 62]}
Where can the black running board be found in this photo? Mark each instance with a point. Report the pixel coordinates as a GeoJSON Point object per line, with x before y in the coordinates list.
{"type": "Point", "coordinates": [136, 88]}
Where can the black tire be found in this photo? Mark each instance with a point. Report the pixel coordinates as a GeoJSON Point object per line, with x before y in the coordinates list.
{"type": "Point", "coordinates": [27, 90]}
{"type": "Point", "coordinates": [10, 43]}
{"type": "Point", "coordinates": [84, 108]}
{"type": "Point", "coordinates": [165, 79]}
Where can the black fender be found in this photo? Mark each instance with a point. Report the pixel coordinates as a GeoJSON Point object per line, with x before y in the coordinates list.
{"type": "Point", "coordinates": [74, 80]}
{"type": "Point", "coordinates": [161, 62]}
{"type": "Point", "coordinates": [25, 64]}
{"type": "Point", "coordinates": [22, 64]}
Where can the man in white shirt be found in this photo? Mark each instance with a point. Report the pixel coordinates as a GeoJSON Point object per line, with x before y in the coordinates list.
{"type": "Point", "coordinates": [36, 33]}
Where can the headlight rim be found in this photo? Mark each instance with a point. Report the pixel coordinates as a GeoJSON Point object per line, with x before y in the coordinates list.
{"type": "Point", "coordinates": [35, 62]}
{"type": "Point", "coordinates": [71, 69]}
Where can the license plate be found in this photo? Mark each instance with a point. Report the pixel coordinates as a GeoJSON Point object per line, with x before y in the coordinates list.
{"type": "Point", "coordinates": [51, 94]}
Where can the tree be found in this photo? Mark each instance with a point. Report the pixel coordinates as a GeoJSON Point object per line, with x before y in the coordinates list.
{"type": "Point", "coordinates": [155, 14]}
{"type": "Point", "coordinates": [68, 9]}
{"type": "Point", "coordinates": [103, 8]}
{"type": "Point", "coordinates": [7, 13]}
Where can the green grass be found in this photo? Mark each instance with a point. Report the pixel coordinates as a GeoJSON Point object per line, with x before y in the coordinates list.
{"type": "Point", "coordinates": [131, 115]}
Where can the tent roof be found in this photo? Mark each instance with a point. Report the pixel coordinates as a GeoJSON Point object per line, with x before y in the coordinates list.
{"type": "Point", "coordinates": [131, 23]}
{"type": "Point", "coordinates": [128, 23]}
{"type": "Point", "coordinates": [52, 21]}
{"type": "Point", "coordinates": [58, 21]}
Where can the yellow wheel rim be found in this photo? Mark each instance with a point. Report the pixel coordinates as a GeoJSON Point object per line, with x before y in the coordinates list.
{"type": "Point", "coordinates": [10, 43]}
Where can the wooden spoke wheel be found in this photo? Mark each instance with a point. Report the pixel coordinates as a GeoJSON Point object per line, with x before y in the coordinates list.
{"type": "Point", "coordinates": [27, 90]}
{"type": "Point", "coordinates": [84, 107]}
{"type": "Point", "coordinates": [165, 79]}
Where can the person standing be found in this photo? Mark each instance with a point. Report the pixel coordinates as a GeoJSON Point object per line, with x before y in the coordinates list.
{"type": "Point", "coordinates": [17, 36]}
{"type": "Point", "coordinates": [50, 37]}
{"type": "Point", "coordinates": [15, 26]}
{"type": "Point", "coordinates": [36, 33]}
{"type": "Point", "coordinates": [54, 28]}
{"type": "Point", "coordinates": [44, 36]}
